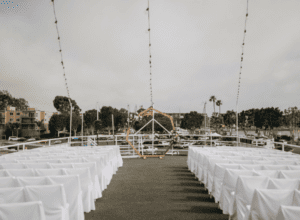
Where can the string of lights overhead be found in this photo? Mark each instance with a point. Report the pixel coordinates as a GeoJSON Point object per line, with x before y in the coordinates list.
{"type": "Point", "coordinates": [60, 50]}
{"type": "Point", "coordinates": [242, 56]}
{"type": "Point", "coordinates": [151, 95]}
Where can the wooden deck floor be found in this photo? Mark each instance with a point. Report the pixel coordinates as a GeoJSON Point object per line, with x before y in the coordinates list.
{"type": "Point", "coordinates": [155, 189]}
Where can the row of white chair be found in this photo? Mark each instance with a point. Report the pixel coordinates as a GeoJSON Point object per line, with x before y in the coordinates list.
{"type": "Point", "coordinates": [53, 198]}
{"type": "Point", "coordinates": [219, 170]}
{"type": "Point", "coordinates": [93, 168]}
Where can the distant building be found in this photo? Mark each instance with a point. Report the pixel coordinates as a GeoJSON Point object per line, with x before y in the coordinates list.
{"type": "Point", "coordinates": [26, 118]}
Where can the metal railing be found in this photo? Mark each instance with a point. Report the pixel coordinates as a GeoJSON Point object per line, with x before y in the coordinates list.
{"type": "Point", "coordinates": [138, 141]}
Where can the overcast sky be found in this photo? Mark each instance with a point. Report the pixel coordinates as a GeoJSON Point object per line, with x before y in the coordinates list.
{"type": "Point", "coordinates": [196, 50]}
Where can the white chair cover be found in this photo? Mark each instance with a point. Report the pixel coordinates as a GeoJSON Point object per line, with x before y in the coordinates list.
{"type": "Point", "coordinates": [8, 166]}
{"type": "Point", "coordinates": [243, 194]}
{"type": "Point", "coordinates": [38, 165]}
{"type": "Point", "coordinates": [218, 178]}
{"type": "Point", "coordinates": [73, 194]}
{"type": "Point", "coordinates": [12, 195]}
{"type": "Point", "coordinates": [269, 173]}
{"type": "Point", "coordinates": [61, 165]}
{"type": "Point", "coordinates": [31, 181]}
{"type": "Point", "coordinates": [24, 211]}
{"type": "Point", "coordinates": [251, 167]}
{"type": "Point", "coordinates": [276, 167]}
{"type": "Point", "coordinates": [294, 167]}
{"type": "Point", "coordinates": [86, 187]}
{"type": "Point", "coordinates": [21, 172]}
{"type": "Point", "coordinates": [289, 174]}
{"type": "Point", "coordinates": [268, 162]}
{"type": "Point", "coordinates": [283, 184]}
{"type": "Point", "coordinates": [94, 176]}
{"type": "Point", "coordinates": [7, 182]}
{"type": "Point", "coordinates": [211, 169]}
{"type": "Point", "coordinates": [266, 203]}
{"type": "Point", "coordinates": [50, 172]}
{"type": "Point", "coordinates": [53, 198]}
{"type": "Point", "coordinates": [4, 173]}
{"type": "Point", "coordinates": [229, 183]}
{"type": "Point", "coordinates": [288, 213]}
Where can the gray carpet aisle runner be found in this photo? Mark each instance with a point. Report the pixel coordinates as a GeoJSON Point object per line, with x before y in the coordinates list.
{"type": "Point", "coordinates": [155, 189]}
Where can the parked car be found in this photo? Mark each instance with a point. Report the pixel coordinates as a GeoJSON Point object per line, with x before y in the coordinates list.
{"type": "Point", "coordinates": [13, 138]}
{"type": "Point", "coordinates": [57, 142]}
{"type": "Point", "coordinates": [30, 139]}
{"type": "Point", "coordinates": [157, 143]}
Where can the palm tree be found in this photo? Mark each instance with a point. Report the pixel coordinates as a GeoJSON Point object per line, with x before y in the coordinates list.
{"type": "Point", "coordinates": [219, 103]}
{"type": "Point", "coordinates": [213, 99]}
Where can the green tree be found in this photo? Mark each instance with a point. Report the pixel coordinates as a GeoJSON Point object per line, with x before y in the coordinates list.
{"type": "Point", "coordinates": [62, 104]}
{"type": "Point", "coordinates": [76, 122]}
{"type": "Point", "coordinates": [213, 99]}
{"type": "Point", "coordinates": [6, 99]}
{"type": "Point", "coordinates": [15, 127]}
{"type": "Point", "coordinates": [90, 117]}
{"type": "Point", "coordinates": [268, 118]}
{"type": "Point", "coordinates": [98, 126]}
{"type": "Point", "coordinates": [219, 103]}
{"type": "Point", "coordinates": [140, 110]}
{"type": "Point", "coordinates": [41, 125]}
{"type": "Point", "coordinates": [216, 123]}
{"type": "Point", "coordinates": [57, 123]}
{"type": "Point", "coordinates": [230, 119]}
{"type": "Point", "coordinates": [192, 120]}
{"type": "Point", "coordinates": [120, 119]}
{"type": "Point", "coordinates": [106, 116]}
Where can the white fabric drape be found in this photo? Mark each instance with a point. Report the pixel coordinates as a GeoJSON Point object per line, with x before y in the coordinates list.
{"type": "Point", "coordinates": [83, 172]}
{"type": "Point", "coordinates": [232, 175]}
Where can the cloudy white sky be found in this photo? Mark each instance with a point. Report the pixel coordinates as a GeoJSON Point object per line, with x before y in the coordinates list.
{"type": "Point", "coordinates": [196, 49]}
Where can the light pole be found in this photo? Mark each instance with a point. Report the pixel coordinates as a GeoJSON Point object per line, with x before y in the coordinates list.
{"type": "Point", "coordinates": [237, 128]}
{"type": "Point", "coordinates": [70, 119]}
{"type": "Point", "coordinates": [97, 112]}
{"type": "Point", "coordinates": [82, 130]}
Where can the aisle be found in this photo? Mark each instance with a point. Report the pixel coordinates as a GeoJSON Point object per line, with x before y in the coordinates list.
{"type": "Point", "coordinates": [155, 189]}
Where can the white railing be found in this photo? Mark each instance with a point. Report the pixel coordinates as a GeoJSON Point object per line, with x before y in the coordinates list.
{"type": "Point", "coordinates": [138, 140]}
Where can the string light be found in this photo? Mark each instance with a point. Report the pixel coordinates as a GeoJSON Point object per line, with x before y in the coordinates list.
{"type": "Point", "coordinates": [60, 50]}
{"type": "Point", "coordinates": [242, 58]}
{"type": "Point", "coordinates": [148, 10]}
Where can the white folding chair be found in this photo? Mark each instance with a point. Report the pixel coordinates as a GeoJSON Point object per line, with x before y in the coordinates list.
{"type": "Point", "coordinates": [86, 186]}
{"type": "Point", "coordinates": [8, 182]}
{"type": "Point", "coordinates": [53, 198]}
{"type": "Point", "coordinates": [289, 174]}
{"type": "Point", "coordinates": [49, 172]}
{"type": "Point", "coordinates": [94, 176]}
{"type": "Point", "coordinates": [21, 172]}
{"type": "Point", "coordinates": [12, 195]}
{"type": "Point", "coordinates": [38, 165]}
{"type": "Point", "coordinates": [61, 165]}
{"type": "Point", "coordinates": [242, 197]}
{"type": "Point", "coordinates": [24, 211]}
{"type": "Point", "coordinates": [283, 184]}
{"type": "Point", "coordinates": [288, 213]}
{"type": "Point", "coordinates": [32, 181]}
{"type": "Point", "coordinates": [229, 183]}
{"type": "Point", "coordinates": [219, 172]}
{"type": "Point", "coordinates": [8, 166]}
{"type": "Point", "coordinates": [73, 194]}
{"type": "Point", "coordinates": [269, 173]}
{"type": "Point", "coordinates": [266, 203]}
